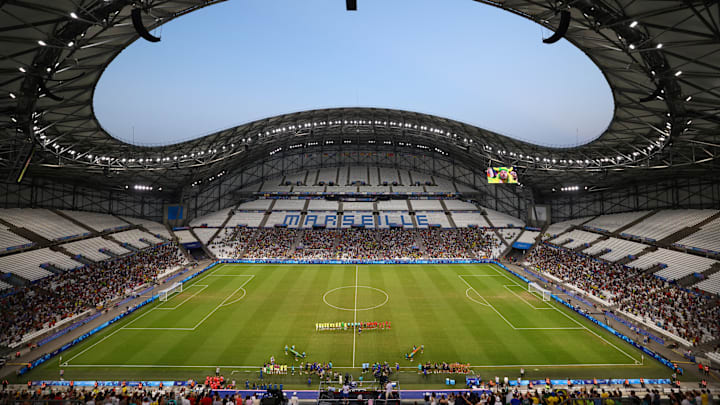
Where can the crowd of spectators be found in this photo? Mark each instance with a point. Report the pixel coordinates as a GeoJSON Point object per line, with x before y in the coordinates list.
{"type": "Point", "coordinates": [271, 243]}
{"type": "Point", "coordinates": [37, 306]}
{"type": "Point", "coordinates": [351, 243]}
{"type": "Point", "coordinates": [690, 315]}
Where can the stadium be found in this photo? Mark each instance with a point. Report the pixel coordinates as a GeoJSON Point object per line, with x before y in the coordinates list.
{"type": "Point", "coordinates": [361, 253]}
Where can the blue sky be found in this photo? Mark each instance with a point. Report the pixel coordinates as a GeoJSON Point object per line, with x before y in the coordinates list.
{"type": "Point", "coordinates": [244, 60]}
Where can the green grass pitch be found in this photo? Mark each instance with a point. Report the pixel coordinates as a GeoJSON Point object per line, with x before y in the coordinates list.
{"type": "Point", "coordinates": [236, 316]}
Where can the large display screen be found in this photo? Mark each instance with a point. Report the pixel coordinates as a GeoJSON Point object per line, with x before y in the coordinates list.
{"type": "Point", "coordinates": [500, 175]}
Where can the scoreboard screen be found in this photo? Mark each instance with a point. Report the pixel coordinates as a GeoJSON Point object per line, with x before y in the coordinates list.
{"type": "Point", "coordinates": [502, 175]}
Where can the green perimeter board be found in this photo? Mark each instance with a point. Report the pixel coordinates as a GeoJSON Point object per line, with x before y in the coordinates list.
{"type": "Point", "coordinates": [238, 315]}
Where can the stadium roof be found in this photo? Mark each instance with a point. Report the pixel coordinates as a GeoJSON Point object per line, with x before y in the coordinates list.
{"type": "Point", "coordinates": [661, 60]}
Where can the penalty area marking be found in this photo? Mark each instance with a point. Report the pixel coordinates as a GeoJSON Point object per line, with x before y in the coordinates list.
{"type": "Point", "coordinates": [126, 327]}
{"type": "Point", "coordinates": [572, 319]}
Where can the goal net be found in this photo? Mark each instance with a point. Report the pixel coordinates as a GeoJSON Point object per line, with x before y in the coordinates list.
{"type": "Point", "coordinates": [166, 293]}
{"type": "Point", "coordinates": [534, 288]}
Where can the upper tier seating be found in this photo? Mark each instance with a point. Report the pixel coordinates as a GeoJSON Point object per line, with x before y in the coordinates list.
{"type": "Point", "coordinates": [98, 222]}
{"type": "Point", "coordinates": [214, 219]}
{"type": "Point", "coordinates": [342, 176]}
{"type": "Point", "coordinates": [392, 205]}
{"type": "Point", "coordinates": [358, 206]}
{"type": "Point", "coordinates": [133, 237]}
{"type": "Point", "coordinates": [707, 238]}
{"type": "Point", "coordinates": [289, 205]}
{"type": "Point", "coordinates": [308, 189]}
{"type": "Point", "coordinates": [409, 189]}
{"type": "Point", "coordinates": [389, 176]}
{"type": "Point", "coordinates": [327, 175]}
{"type": "Point", "coordinates": [358, 175]}
{"type": "Point", "coordinates": [27, 264]}
{"type": "Point", "coordinates": [433, 218]}
{"type": "Point", "coordinates": [153, 227]}
{"type": "Point", "coordinates": [272, 187]}
{"type": "Point", "coordinates": [560, 227]}
{"type": "Point", "coordinates": [42, 222]}
{"type": "Point", "coordinates": [341, 189]}
{"type": "Point", "coordinates": [90, 248]}
{"type": "Point", "coordinates": [255, 205]}
{"type": "Point", "coordinates": [373, 176]}
{"type": "Point", "coordinates": [678, 264]}
{"type": "Point", "coordinates": [405, 177]}
{"type": "Point", "coordinates": [184, 236]}
{"type": "Point", "coordinates": [619, 249]}
{"type": "Point", "coordinates": [500, 220]}
{"type": "Point", "coordinates": [426, 205]}
{"type": "Point", "coordinates": [528, 237]}
{"type": "Point", "coordinates": [459, 205]}
{"type": "Point", "coordinates": [613, 222]}
{"type": "Point", "coordinates": [323, 205]}
{"type": "Point", "coordinates": [296, 178]}
{"type": "Point", "coordinates": [469, 218]}
{"type": "Point", "coordinates": [9, 240]}
{"type": "Point", "coordinates": [710, 284]}
{"type": "Point", "coordinates": [422, 178]}
{"type": "Point", "coordinates": [667, 222]}
{"type": "Point", "coordinates": [251, 219]}
{"type": "Point", "coordinates": [575, 238]}
{"type": "Point", "coordinates": [374, 189]}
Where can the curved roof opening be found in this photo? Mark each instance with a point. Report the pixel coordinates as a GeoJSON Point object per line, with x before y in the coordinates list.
{"type": "Point", "coordinates": [240, 61]}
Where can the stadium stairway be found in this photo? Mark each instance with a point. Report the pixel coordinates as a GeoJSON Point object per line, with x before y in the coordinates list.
{"type": "Point", "coordinates": [74, 221]}
{"type": "Point", "coordinates": [580, 248]}
{"type": "Point", "coordinates": [222, 226]}
{"type": "Point", "coordinates": [447, 214]}
{"type": "Point", "coordinates": [51, 268]}
{"type": "Point", "coordinates": [205, 249]}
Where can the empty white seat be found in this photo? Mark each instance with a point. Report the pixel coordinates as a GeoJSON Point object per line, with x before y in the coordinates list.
{"type": "Point", "coordinates": [466, 219]}
{"type": "Point", "coordinates": [707, 238]}
{"type": "Point", "coordinates": [251, 219]}
{"type": "Point", "coordinates": [9, 240]}
{"type": "Point", "coordinates": [27, 264]}
{"type": "Point", "coordinates": [560, 227]}
{"type": "Point", "coordinates": [291, 219]}
{"type": "Point", "coordinates": [91, 248]}
{"type": "Point", "coordinates": [42, 222]}
{"type": "Point", "coordinates": [528, 237]}
{"type": "Point", "coordinates": [618, 249]}
{"type": "Point", "coordinates": [677, 264]}
{"type": "Point", "coordinates": [322, 205]}
{"type": "Point", "coordinates": [426, 205]}
{"type": "Point", "coordinates": [212, 219]}
{"type": "Point", "coordinates": [392, 205]}
{"type": "Point", "coordinates": [204, 234]}
{"type": "Point", "coordinates": [136, 237]}
{"type": "Point", "coordinates": [667, 222]}
{"type": "Point", "coordinates": [358, 206]}
{"type": "Point", "coordinates": [289, 205]}
{"type": "Point", "coordinates": [184, 236]}
{"type": "Point", "coordinates": [255, 205]}
{"type": "Point", "coordinates": [458, 205]}
{"type": "Point", "coordinates": [427, 219]}
{"type": "Point", "coordinates": [502, 220]}
{"type": "Point", "coordinates": [575, 238]}
{"type": "Point", "coordinates": [96, 221]}
{"type": "Point", "coordinates": [613, 222]}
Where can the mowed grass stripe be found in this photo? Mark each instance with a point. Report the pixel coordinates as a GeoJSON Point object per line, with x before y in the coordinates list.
{"type": "Point", "coordinates": [427, 306]}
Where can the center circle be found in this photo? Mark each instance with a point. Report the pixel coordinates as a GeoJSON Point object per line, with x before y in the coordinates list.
{"type": "Point", "coordinates": [344, 298]}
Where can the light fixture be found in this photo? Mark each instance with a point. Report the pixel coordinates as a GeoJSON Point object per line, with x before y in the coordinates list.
{"type": "Point", "coordinates": [12, 95]}
{"type": "Point", "coordinates": [678, 73]}
{"type": "Point", "coordinates": [658, 46]}
{"type": "Point", "coordinates": [41, 42]}
{"type": "Point", "coordinates": [22, 69]}
{"type": "Point", "coordinates": [73, 15]}
{"type": "Point", "coordinates": [688, 98]}
{"type": "Point", "coordinates": [633, 24]}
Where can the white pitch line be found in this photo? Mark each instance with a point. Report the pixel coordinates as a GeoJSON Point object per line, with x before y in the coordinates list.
{"type": "Point", "coordinates": [583, 326]}
{"type": "Point", "coordinates": [186, 299]}
{"type": "Point", "coordinates": [225, 300]}
{"type": "Point", "coordinates": [355, 314]}
{"type": "Point", "coordinates": [490, 305]}
{"type": "Point", "coordinates": [519, 296]}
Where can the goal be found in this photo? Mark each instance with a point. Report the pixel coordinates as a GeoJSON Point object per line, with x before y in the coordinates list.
{"type": "Point", "coordinates": [163, 295]}
{"type": "Point", "coordinates": [534, 288]}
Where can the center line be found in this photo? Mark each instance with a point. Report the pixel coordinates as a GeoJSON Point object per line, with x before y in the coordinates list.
{"type": "Point", "coordinates": [355, 314]}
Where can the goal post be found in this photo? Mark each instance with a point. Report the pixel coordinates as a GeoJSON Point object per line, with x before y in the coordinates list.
{"type": "Point", "coordinates": [535, 288]}
{"type": "Point", "coordinates": [164, 295]}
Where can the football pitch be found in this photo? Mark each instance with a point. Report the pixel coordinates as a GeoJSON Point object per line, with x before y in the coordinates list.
{"type": "Point", "coordinates": [236, 316]}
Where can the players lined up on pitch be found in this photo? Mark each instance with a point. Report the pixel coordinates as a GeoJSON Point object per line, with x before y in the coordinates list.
{"type": "Point", "coordinates": [344, 326]}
